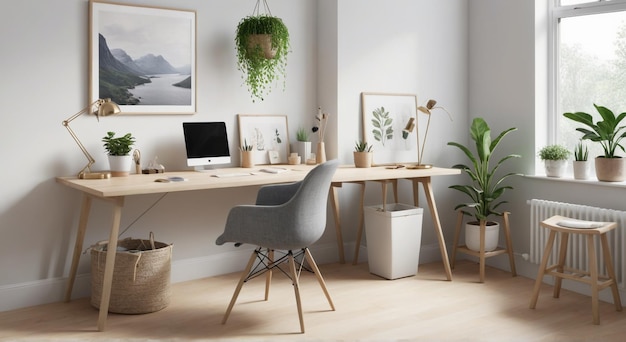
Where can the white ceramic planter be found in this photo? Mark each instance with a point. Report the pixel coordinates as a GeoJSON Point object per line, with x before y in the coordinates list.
{"type": "Point", "coordinates": [472, 236]}
{"type": "Point", "coordinates": [555, 168]}
{"type": "Point", "coordinates": [581, 169]}
{"type": "Point", "coordinates": [303, 148]}
{"type": "Point", "coordinates": [120, 165]}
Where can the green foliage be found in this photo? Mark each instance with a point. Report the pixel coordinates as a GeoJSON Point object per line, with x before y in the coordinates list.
{"type": "Point", "coordinates": [245, 146]}
{"type": "Point", "coordinates": [486, 187]}
{"type": "Point", "coordinates": [362, 146]}
{"type": "Point", "coordinates": [581, 152]}
{"type": "Point", "coordinates": [119, 146]}
{"type": "Point", "coordinates": [382, 125]}
{"type": "Point", "coordinates": [302, 134]}
{"type": "Point", "coordinates": [554, 152]}
{"type": "Point", "coordinates": [258, 70]}
{"type": "Point", "coordinates": [606, 132]}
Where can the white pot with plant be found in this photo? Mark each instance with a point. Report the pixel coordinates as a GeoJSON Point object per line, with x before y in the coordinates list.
{"type": "Point", "coordinates": [554, 158]}
{"type": "Point", "coordinates": [485, 187]}
{"type": "Point", "coordinates": [580, 163]}
{"type": "Point", "coordinates": [363, 154]}
{"type": "Point", "coordinates": [118, 150]}
{"type": "Point", "coordinates": [303, 144]}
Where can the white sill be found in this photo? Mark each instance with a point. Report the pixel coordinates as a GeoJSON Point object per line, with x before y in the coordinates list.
{"type": "Point", "coordinates": [570, 179]}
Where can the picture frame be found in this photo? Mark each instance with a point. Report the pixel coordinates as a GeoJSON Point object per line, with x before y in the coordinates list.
{"type": "Point", "coordinates": [385, 117]}
{"type": "Point", "coordinates": [268, 135]}
{"type": "Point", "coordinates": [143, 58]}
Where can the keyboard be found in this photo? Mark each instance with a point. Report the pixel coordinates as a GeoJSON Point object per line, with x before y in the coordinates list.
{"type": "Point", "coordinates": [233, 174]}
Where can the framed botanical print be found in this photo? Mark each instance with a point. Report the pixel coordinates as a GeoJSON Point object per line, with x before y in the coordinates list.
{"type": "Point", "coordinates": [268, 136]}
{"type": "Point", "coordinates": [385, 118]}
{"type": "Point", "coordinates": [143, 58]}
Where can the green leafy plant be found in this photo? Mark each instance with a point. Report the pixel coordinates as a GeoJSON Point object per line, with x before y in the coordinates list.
{"type": "Point", "coordinates": [302, 135]}
{"type": "Point", "coordinates": [486, 187]}
{"type": "Point", "coordinates": [554, 152]}
{"type": "Point", "coordinates": [362, 146]}
{"type": "Point", "coordinates": [245, 146]}
{"type": "Point", "coordinates": [382, 125]}
{"type": "Point", "coordinates": [119, 146]}
{"type": "Point", "coordinates": [259, 70]}
{"type": "Point", "coordinates": [606, 132]}
{"type": "Point", "coordinates": [581, 152]}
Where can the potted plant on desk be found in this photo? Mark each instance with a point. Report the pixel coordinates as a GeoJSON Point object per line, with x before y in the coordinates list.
{"type": "Point", "coordinates": [118, 149]}
{"type": "Point", "coordinates": [362, 154]}
{"type": "Point", "coordinates": [485, 187]}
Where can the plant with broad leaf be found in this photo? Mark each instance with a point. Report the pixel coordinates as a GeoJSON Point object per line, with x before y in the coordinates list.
{"type": "Point", "coordinates": [606, 132]}
{"type": "Point", "coordinates": [119, 146]}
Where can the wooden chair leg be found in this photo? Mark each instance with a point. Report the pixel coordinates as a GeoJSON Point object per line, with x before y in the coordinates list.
{"type": "Point", "coordinates": [296, 288]}
{"type": "Point", "coordinates": [318, 275]}
{"type": "Point", "coordinates": [542, 269]}
{"type": "Point", "coordinates": [560, 266]}
{"type": "Point", "coordinates": [457, 234]}
{"type": "Point", "coordinates": [268, 276]}
{"type": "Point", "coordinates": [509, 244]}
{"type": "Point", "coordinates": [244, 275]}
{"type": "Point", "coordinates": [593, 272]}
{"type": "Point", "coordinates": [611, 272]}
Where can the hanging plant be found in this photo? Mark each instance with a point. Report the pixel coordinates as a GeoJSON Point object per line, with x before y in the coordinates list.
{"type": "Point", "coordinates": [262, 43]}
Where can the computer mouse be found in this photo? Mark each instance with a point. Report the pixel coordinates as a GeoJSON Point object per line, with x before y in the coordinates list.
{"type": "Point", "coordinates": [162, 180]}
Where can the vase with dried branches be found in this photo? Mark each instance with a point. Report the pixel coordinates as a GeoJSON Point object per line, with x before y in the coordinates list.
{"type": "Point", "coordinates": [320, 128]}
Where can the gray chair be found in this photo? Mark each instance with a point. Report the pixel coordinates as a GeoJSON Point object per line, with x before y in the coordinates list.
{"type": "Point", "coordinates": [288, 218]}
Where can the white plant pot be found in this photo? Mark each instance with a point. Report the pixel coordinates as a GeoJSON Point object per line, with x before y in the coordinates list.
{"type": "Point", "coordinates": [555, 168]}
{"type": "Point", "coordinates": [581, 169]}
{"type": "Point", "coordinates": [120, 165]}
{"type": "Point", "coordinates": [472, 236]}
{"type": "Point", "coordinates": [303, 148]}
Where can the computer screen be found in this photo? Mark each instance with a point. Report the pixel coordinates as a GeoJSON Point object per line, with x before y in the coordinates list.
{"type": "Point", "coordinates": [206, 144]}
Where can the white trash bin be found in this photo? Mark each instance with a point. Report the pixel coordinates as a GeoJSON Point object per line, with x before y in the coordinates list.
{"type": "Point", "coordinates": [393, 239]}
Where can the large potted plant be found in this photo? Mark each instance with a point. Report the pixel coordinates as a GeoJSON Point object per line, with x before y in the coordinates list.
{"type": "Point", "coordinates": [609, 133]}
{"type": "Point", "coordinates": [118, 150]}
{"type": "Point", "coordinates": [485, 188]}
{"type": "Point", "coordinates": [554, 158]}
{"type": "Point", "coordinates": [262, 43]}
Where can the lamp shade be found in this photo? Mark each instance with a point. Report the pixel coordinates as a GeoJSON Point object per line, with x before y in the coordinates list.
{"type": "Point", "coordinates": [107, 108]}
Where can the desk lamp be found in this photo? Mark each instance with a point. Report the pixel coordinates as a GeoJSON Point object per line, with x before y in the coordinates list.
{"type": "Point", "coordinates": [430, 105]}
{"type": "Point", "coordinates": [100, 107]}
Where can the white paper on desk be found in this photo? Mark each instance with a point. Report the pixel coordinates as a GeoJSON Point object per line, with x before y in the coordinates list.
{"type": "Point", "coordinates": [274, 170]}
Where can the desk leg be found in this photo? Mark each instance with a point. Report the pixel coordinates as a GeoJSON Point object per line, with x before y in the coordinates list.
{"type": "Point", "coordinates": [428, 191]}
{"type": "Point", "coordinates": [334, 200]}
{"type": "Point", "coordinates": [118, 202]}
{"type": "Point", "coordinates": [78, 246]}
{"type": "Point", "coordinates": [359, 234]}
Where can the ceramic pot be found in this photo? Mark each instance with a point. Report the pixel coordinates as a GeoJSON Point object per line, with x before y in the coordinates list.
{"type": "Point", "coordinates": [120, 165]}
{"type": "Point", "coordinates": [555, 168]}
{"type": "Point", "coordinates": [320, 155]}
{"type": "Point", "coordinates": [303, 148]}
{"type": "Point", "coordinates": [610, 169]}
{"type": "Point", "coordinates": [581, 169]}
{"type": "Point", "coordinates": [264, 41]}
{"type": "Point", "coordinates": [247, 159]}
{"type": "Point", "coordinates": [472, 236]}
{"type": "Point", "coordinates": [363, 159]}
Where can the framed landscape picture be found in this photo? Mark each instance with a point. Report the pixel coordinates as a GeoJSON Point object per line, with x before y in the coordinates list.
{"type": "Point", "coordinates": [385, 117]}
{"type": "Point", "coordinates": [143, 58]}
{"type": "Point", "coordinates": [268, 136]}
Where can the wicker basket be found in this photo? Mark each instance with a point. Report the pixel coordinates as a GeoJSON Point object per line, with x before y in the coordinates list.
{"type": "Point", "coordinates": [141, 277]}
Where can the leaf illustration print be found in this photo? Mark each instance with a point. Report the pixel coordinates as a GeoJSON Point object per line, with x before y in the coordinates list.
{"type": "Point", "coordinates": [382, 125]}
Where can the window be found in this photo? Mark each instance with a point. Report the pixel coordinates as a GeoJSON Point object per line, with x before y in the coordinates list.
{"type": "Point", "coordinates": [588, 64]}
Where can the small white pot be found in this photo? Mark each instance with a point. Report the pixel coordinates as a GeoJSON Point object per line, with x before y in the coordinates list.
{"type": "Point", "coordinates": [303, 148]}
{"type": "Point", "coordinates": [120, 165]}
{"type": "Point", "coordinates": [555, 168]}
{"type": "Point", "coordinates": [582, 169]}
{"type": "Point", "coordinates": [472, 236]}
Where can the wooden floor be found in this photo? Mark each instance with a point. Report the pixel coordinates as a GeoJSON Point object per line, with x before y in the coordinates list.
{"type": "Point", "coordinates": [424, 307]}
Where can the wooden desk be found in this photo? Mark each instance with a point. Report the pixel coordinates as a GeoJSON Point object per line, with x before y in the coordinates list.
{"type": "Point", "coordinates": [114, 190]}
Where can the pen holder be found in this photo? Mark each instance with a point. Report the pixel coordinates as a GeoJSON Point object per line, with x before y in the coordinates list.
{"type": "Point", "coordinates": [247, 160]}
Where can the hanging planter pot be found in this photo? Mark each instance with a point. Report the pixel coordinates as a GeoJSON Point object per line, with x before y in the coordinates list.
{"type": "Point", "coordinates": [262, 43]}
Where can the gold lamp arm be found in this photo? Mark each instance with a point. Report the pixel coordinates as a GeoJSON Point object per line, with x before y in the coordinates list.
{"type": "Point", "coordinates": [86, 173]}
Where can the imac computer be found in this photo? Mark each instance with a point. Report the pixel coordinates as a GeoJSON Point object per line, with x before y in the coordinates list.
{"type": "Point", "coordinates": [206, 144]}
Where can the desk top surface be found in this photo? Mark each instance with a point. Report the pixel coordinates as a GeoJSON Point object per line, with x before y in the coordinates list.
{"type": "Point", "coordinates": [139, 184]}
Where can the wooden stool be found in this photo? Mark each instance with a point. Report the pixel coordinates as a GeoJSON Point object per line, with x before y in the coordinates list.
{"type": "Point", "coordinates": [559, 271]}
{"type": "Point", "coordinates": [482, 254]}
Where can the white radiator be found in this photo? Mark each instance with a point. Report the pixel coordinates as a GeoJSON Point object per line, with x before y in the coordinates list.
{"type": "Point", "coordinates": [577, 248]}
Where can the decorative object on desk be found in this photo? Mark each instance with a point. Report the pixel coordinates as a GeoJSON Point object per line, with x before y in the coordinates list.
{"type": "Point", "coordinates": [141, 277]}
{"type": "Point", "coordinates": [363, 154]}
{"type": "Point", "coordinates": [580, 163]}
{"type": "Point", "coordinates": [118, 149]}
{"type": "Point", "coordinates": [430, 106]}
{"type": "Point", "coordinates": [303, 144]}
{"type": "Point", "coordinates": [294, 159]}
{"type": "Point", "coordinates": [247, 155]}
{"type": "Point", "coordinates": [265, 133]}
{"type": "Point", "coordinates": [320, 128]}
{"type": "Point", "coordinates": [554, 158]}
{"type": "Point", "coordinates": [609, 134]}
{"type": "Point", "coordinates": [154, 167]}
{"type": "Point", "coordinates": [137, 160]}
{"type": "Point", "coordinates": [386, 118]}
{"type": "Point", "coordinates": [100, 107]}
{"type": "Point", "coordinates": [153, 36]}
{"type": "Point", "coordinates": [262, 42]}
{"type": "Point", "coordinates": [485, 187]}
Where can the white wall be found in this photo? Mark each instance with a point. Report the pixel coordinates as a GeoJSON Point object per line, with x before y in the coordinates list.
{"type": "Point", "coordinates": [409, 46]}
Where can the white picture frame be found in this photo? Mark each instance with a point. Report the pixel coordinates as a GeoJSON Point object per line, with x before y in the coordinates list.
{"type": "Point", "coordinates": [265, 133]}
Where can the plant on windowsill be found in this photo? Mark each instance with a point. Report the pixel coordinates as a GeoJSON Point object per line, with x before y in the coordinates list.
{"type": "Point", "coordinates": [581, 164]}
{"type": "Point", "coordinates": [485, 188]}
{"type": "Point", "coordinates": [609, 134]}
{"type": "Point", "coordinates": [118, 150]}
{"type": "Point", "coordinates": [262, 43]}
{"type": "Point", "coordinates": [362, 154]}
{"type": "Point", "coordinates": [554, 158]}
